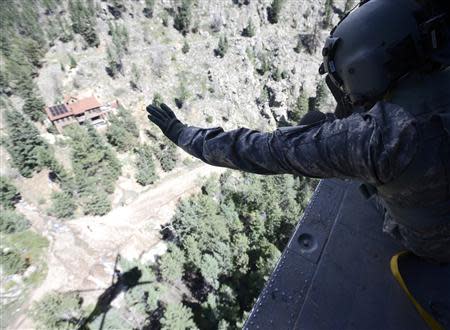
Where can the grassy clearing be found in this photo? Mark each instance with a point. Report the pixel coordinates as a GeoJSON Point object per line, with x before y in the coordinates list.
{"type": "Point", "coordinates": [33, 247]}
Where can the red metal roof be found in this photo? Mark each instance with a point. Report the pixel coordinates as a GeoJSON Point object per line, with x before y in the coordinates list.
{"type": "Point", "coordinates": [84, 105]}
{"type": "Point", "coordinates": [70, 108]}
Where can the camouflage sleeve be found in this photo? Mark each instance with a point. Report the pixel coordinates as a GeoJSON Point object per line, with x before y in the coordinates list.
{"type": "Point", "coordinates": [375, 147]}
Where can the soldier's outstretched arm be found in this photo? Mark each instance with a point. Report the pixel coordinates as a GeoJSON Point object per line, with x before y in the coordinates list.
{"type": "Point", "coordinates": [375, 146]}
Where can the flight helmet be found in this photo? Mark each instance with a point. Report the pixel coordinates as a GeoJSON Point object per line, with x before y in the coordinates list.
{"type": "Point", "coordinates": [378, 43]}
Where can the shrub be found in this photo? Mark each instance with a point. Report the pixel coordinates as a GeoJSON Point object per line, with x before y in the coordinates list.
{"type": "Point", "coordinates": [168, 156]}
{"type": "Point", "coordinates": [58, 311]}
{"type": "Point", "coordinates": [171, 264]}
{"type": "Point", "coordinates": [63, 205]}
{"type": "Point", "coordinates": [183, 94]}
{"type": "Point", "coordinates": [9, 194]}
{"type": "Point", "coordinates": [96, 202]}
{"type": "Point", "coordinates": [146, 173]}
{"type": "Point", "coordinates": [24, 143]}
{"type": "Point", "coordinates": [149, 8]}
{"type": "Point", "coordinates": [12, 222]}
{"type": "Point", "coordinates": [249, 30]}
{"type": "Point", "coordinates": [273, 12]}
{"type": "Point", "coordinates": [182, 20]}
{"type": "Point", "coordinates": [177, 317]}
{"type": "Point", "coordinates": [222, 47]}
{"type": "Point", "coordinates": [12, 262]}
{"type": "Point", "coordinates": [185, 48]}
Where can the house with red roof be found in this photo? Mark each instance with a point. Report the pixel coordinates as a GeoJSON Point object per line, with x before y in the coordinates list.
{"type": "Point", "coordinates": [78, 111]}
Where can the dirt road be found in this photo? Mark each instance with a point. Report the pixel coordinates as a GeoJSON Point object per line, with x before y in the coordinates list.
{"type": "Point", "coordinates": [82, 251]}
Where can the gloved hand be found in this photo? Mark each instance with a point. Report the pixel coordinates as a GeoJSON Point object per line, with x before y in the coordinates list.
{"type": "Point", "coordinates": [166, 120]}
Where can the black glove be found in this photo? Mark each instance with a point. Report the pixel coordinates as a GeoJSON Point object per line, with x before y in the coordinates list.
{"type": "Point", "coordinates": [166, 120]}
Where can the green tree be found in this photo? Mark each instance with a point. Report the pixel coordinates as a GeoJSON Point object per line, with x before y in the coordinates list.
{"type": "Point", "coordinates": [210, 270]}
{"type": "Point", "coordinates": [9, 194]}
{"type": "Point", "coordinates": [114, 62]}
{"type": "Point", "coordinates": [96, 169]}
{"type": "Point", "coordinates": [185, 49]}
{"type": "Point", "coordinates": [177, 317]}
{"type": "Point", "coordinates": [34, 106]}
{"type": "Point", "coordinates": [182, 20]}
{"type": "Point", "coordinates": [58, 311]}
{"type": "Point", "coordinates": [301, 107]}
{"type": "Point", "coordinates": [118, 136]}
{"type": "Point", "coordinates": [23, 143]}
{"type": "Point", "coordinates": [12, 262]}
{"type": "Point", "coordinates": [145, 166]}
{"type": "Point", "coordinates": [182, 93]}
{"type": "Point", "coordinates": [120, 38]}
{"type": "Point", "coordinates": [222, 47]}
{"type": "Point", "coordinates": [12, 222]}
{"type": "Point", "coordinates": [273, 12]}
{"type": "Point", "coordinates": [168, 156]}
{"type": "Point", "coordinates": [171, 264]}
{"type": "Point", "coordinates": [72, 62]}
{"type": "Point", "coordinates": [149, 8]}
{"type": "Point", "coordinates": [298, 47]}
{"type": "Point", "coordinates": [135, 77]}
{"type": "Point", "coordinates": [321, 95]}
{"type": "Point", "coordinates": [328, 17]}
{"type": "Point", "coordinates": [83, 19]}
{"type": "Point", "coordinates": [249, 30]}
{"type": "Point", "coordinates": [96, 202]}
{"type": "Point", "coordinates": [63, 205]}
{"type": "Point", "coordinates": [113, 320]}
{"type": "Point", "coordinates": [123, 131]}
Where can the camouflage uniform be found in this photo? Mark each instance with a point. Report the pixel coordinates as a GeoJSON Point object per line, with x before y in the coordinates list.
{"type": "Point", "coordinates": [377, 147]}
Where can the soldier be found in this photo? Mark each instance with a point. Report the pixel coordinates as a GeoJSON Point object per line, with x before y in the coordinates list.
{"type": "Point", "coordinates": [387, 65]}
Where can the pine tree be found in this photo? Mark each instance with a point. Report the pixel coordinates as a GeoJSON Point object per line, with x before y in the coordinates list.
{"type": "Point", "coordinates": [185, 49]}
{"type": "Point", "coordinates": [83, 21]}
{"type": "Point", "coordinates": [145, 166]}
{"type": "Point", "coordinates": [58, 311]}
{"type": "Point", "coordinates": [24, 143]}
{"type": "Point", "coordinates": [171, 264]}
{"type": "Point", "coordinates": [96, 169]}
{"type": "Point", "coordinates": [9, 194]}
{"type": "Point", "coordinates": [222, 47]}
{"type": "Point", "coordinates": [120, 38]}
{"type": "Point", "coordinates": [96, 201]}
{"type": "Point", "coordinates": [63, 205]}
{"type": "Point", "coordinates": [118, 136]}
{"type": "Point", "coordinates": [328, 13]}
{"type": "Point", "coordinates": [72, 62]}
{"type": "Point", "coordinates": [135, 77]}
{"type": "Point", "coordinates": [177, 317]}
{"type": "Point", "coordinates": [34, 106]}
{"type": "Point", "coordinates": [12, 262]}
{"type": "Point", "coordinates": [249, 30]}
{"type": "Point", "coordinates": [168, 156]}
{"type": "Point", "coordinates": [122, 132]}
{"type": "Point", "coordinates": [182, 20]}
{"type": "Point", "coordinates": [273, 12]}
{"type": "Point", "coordinates": [301, 107]}
{"type": "Point", "coordinates": [12, 222]}
{"type": "Point", "coordinates": [298, 47]}
{"type": "Point", "coordinates": [321, 94]}
{"type": "Point", "coordinates": [114, 62]}
{"type": "Point", "coordinates": [149, 8]}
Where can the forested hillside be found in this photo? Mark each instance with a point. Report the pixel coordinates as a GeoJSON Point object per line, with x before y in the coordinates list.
{"type": "Point", "coordinates": [226, 63]}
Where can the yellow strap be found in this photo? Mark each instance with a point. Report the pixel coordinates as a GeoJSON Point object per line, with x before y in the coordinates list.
{"type": "Point", "coordinates": [432, 323]}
